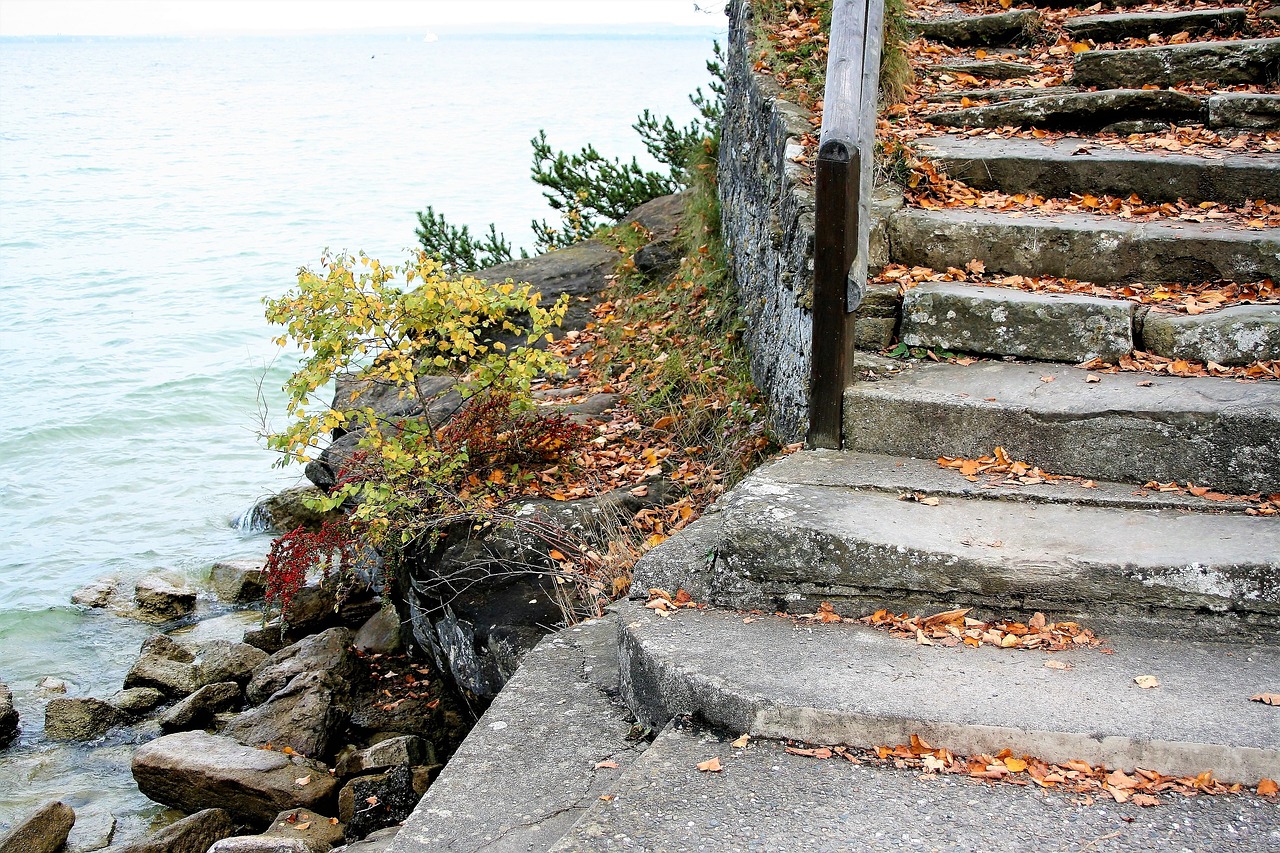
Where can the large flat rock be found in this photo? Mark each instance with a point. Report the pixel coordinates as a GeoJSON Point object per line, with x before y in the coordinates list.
{"type": "Point", "coordinates": [1078, 110]}
{"type": "Point", "coordinates": [1223, 63]}
{"type": "Point", "coordinates": [768, 799]}
{"type": "Point", "coordinates": [1236, 335]}
{"type": "Point", "coordinates": [1127, 427]}
{"type": "Point", "coordinates": [1084, 246]}
{"type": "Point", "coordinates": [1056, 169]}
{"type": "Point", "coordinates": [1002, 321]}
{"type": "Point", "coordinates": [1107, 28]}
{"type": "Point", "coordinates": [849, 684]}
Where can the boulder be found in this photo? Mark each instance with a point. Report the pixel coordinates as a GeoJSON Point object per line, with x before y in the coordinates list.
{"type": "Point", "coordinates": [307, 716]}
{"type": "Point", "coordinates": [329, 651]}
{"type": "Point", "coordinates": [136, 701]}
{"type": "Point", "coordinates": [317, 832]}
{"type": "Point", "coordinates": [50, 685]}
{"type": "Point", "coordinates": [370, 803]}
{"type": "Point", "coordinates": [194, 770]}
{"type": "Point", "coordinates": [94, 829]}
{"type": "Point", "coordinates": [192, 834]}
{"type": "Point", "coordinates": [163, 597]}
{"type": "Point", "coordinates": [658, 259]}
{"type": "Point", "coordinates": [286, 511]}
{"type": "Point", "coordinates": [270, 638]}
{"type": "Point", "coordinates": [99, 593]}
{"type": "Point", "coordinates": [405, 749]}
{"type": "Point", "coordinates": [80, 719]}
{"type": "Point", "coordinates": [8, 717]}
{"type": "Point", "coordinates": [312, 608]}
{"type": "Point", "coordinates": [238, 581]}
{"type": "Point", "coordinates": [178, 670]}
{"type": "Point", "coordinates": [43, 832]}
{"type": "Point", "coordinates": [1004, 28]}
{"type": "Point", "coordinates": [380, 634]}
{"type": "Point", "coordinates": [229, 626]}
{"type": "Point", "coordinates": [197, 710]}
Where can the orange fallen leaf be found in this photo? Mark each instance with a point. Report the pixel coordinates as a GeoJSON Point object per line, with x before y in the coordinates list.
{"type": "Point", "coordinates": [1266, 698]}
{"type": "Point", "coordinates": [741, 742]}
{"type": "Point", "coordinates": [302, 781]}
{"type": "Point", "coordinates": [711, 765]}
{"type": "Point", "coordinates": [602, 765]}
{"type": "Point", "coordinates": [303, 827]}
{"type": "Point", "coordinates": [1268, 788]}
{"type": "Point", "coordinates": [1146, 682]}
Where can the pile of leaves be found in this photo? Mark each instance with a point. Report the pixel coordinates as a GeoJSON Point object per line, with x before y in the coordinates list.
{"type": "Point", "coordinates": [955, 627]}
{"type": "Point", "coordinates": [1257, 503]}
{"type": "Point", "coordinates": [1141, 787]}
{"type": "Point", "coordinates": [1145, 362]}
{"type": "Point", "coordinates": [1000, 469]}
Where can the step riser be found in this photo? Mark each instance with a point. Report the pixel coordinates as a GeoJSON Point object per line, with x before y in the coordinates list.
{"type": "Point", "coordinates": [1223, 63]}
{"type": "Point", "coordinates": [1107, 28]}
{"type": "Point", "coordinates": [1083, 111]}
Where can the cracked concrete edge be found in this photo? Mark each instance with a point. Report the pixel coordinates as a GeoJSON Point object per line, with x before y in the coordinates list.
{"type": "Point", "coordinates": [530, 766]}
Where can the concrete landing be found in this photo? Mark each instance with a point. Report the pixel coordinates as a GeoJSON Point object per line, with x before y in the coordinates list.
{"type": "Point", "coordinates": [842, 683]}
{"type": "Point", "coordinates": [768, 800]}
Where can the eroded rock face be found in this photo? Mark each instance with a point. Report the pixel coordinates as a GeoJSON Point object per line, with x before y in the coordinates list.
{"type": "Point", "coordinates": [178, 670]}
{"type": "Point", "coordinates": [8, 717]}
{"type": "Point", "coordinates": [80, 719]}
{"type": "Point", "coordinates": [43, 832]}
{"type": "Point", "coordinates": [380, 634]}
{"type": "Point", "coordinates": [192, 834]}
{"type": "Point", "coordinates": [407, 749]}
{"type": "Point", "coordinates": [307, 715]}
{"type": "Point", "coordinates": [194, 770]}
{"type": "Point", "coordinates": [99, 593]}
{"type": "Point", "coordinates": [329, 652]}
{"type": "Point", "coordinates": [163, 597]}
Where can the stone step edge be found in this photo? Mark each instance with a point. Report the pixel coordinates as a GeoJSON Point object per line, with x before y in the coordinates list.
{"type": "Point", "coordinates": [657, 689]}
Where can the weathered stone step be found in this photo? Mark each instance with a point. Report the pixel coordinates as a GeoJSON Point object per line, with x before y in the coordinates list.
{"type": "Point", "coordinates": [769, 799]}
{"type": "Point", "coordinates": [1108, 28]}
{"type": "Point", "coordinates": [1087, 111]}
{"type": "Point", "coordinates": [1083, 246]}
{"type": "Point", "coordinates": [1246, 111]}
{"type": "Point", "coordinates": [847, 684]}
{"type": "Point", "coordinates": [1057, 169]}
{"type": "Point", "coordinates": [1223, 63]}
{"type": "Point", "coordinates": [989, 69]}
{"type": "Point", "coordinates": [1237, 334]}
{"type": "Point", "coordinates": [1128, 427]}
{"type": "Point", "coordinates": [529, 769]}
{"type": "Point", "coordinates": [1003, 28]}
{"type": "Point", "coordinates": [1010, 93]}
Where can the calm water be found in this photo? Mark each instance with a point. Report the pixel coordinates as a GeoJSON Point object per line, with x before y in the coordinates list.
{"type": "Point", "coordinates": [151, 192]}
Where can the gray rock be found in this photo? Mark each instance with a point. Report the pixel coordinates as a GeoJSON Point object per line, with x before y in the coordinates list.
{"type": "Point", "coordinates": [178, 670]}
{"type": "Point", "coordinates": [380, 635]}
{"type": "Point", "coordinates": [260, 844]}
{"type": "Point", "coordinates": [990, 69]}
{"type": "Point", "coordinates": [329, 652]}
{"type": "Point", "coordinates": [51, 685]}
{"type": "Point", "coordinates": [191, 834]}
{"type": "Point", "coordinates": [80, 719]}
{"type": "Point", "coordinates": [229, 626]}
{"type": "Point", "coordinates": [163, 597]}
{"type": "Point", "coordinates": [197, 710]}
{"type": "Point", "coordinates": [94, 829]}
{"type": "Point", "coordinates": [1003, 28]}
{"type": "Point", "coordinates": [136, 701]}
{"type": "Point", "coordinates": [998, 321]}
{"type": "Point", "coordinates": [1244, 111]}
{"type": "Point", "coordinates": [370, 803]}
{"type": "Point", "coordinates": [876, 319]}
{"type": "Point", "coordinates": [318, 832]}
{"type": "Point", "coordinates": [45, 831]}
{"type": "Point", "coordinates": [1235, 335]}
{"type": "Point", "coordinates": [374, 842]}
{"type": "Point", "coordinates": [1108, 28]}
{"type": "Point", "coordinates": [238, 581]}
{"type": "Point", "coordinates": [194, 770]}
{"type": "Point", "coordinates": [658, 259]}
{"type": "Point", "coordinates": [8, 716]}
{"type": "Point", "coordinates": [579, 270]}
{"type": "Point", "coordinates": [1077, 111]}
{"type": "Point", "coordinates": [99, 593]}
{"type": "Point", "coordinates": [405, 749]}
{"type": "Point", "coordinates": [1223, 63]}
{"type": "Point", "coordinates": [307, 715]}
{"type": "Point", "coordinates": [287, 511]}
{"type": "Point", "coordinates": [1137, 125]}
{"type": "Point", "coordinates": [270, 638]}
{"type": "Point", "coordinates": [312, 608]}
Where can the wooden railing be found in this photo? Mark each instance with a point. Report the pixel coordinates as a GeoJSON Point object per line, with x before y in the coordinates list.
{"type": "Point", "coordinates": [842, 229]}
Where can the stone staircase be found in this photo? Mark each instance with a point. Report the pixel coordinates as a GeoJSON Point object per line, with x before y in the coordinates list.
{"type": "Point", "coordinates": [1183, 583]}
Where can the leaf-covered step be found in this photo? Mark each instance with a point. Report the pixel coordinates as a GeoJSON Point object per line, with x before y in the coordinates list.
{"type": "Point", "coordinates": [1058, 169]}
{"type": "Point", "coordinates": [1109, 28]}
{"type": "Point", "coordinates": [1221, 62]}
{"type": "Point", "coordinates": [987, 69]}
{"type": "Point", "coordinates": [1084, 111]}
{"type": "Point", "coordinates": [1004, 28]}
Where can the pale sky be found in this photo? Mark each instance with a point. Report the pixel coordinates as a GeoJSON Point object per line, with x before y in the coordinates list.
{"type": "Point", "coordinates": [178, 17]}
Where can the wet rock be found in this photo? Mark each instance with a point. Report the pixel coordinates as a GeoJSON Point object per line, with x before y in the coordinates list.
{"type": "Point", "coordinates": [380, 634]}
{"type": "Point", "coordinates": [178, 670]}
{"type": "Point", "coordinates": [230, 627]}
{"type": "Point", "coordinates": [307, 715]}
{"type": "Point", "coordinates": [194, 770]}
{"type": "Point", "coordinates": [80, 719]}
{"type": "Point", "coordinates": [197, 710]}
{"type": "Point", "coordinates": [238, 581]}
{"type": "Point", "coordinates": [270, 638]}
{"type": "Point", "coordinates": [50, 685]}
{"type": "Point", "coordinates": [405, 749]}
{"type": "Point", "coordinates": [260, 844]}
{"type": "Point", "coordinates": [1004, 28]}
{"type": "Point", "coordinates": [287, 511]}
{"type": "Point", "coordinates": [99, 593]}
{"type": "Point", "coordinates": [192, 834]}
{"type": "Point", "coordinates": [136, 701]}
{"type": "Point", "coordinates": [370, 803]}
{"type": "Point", "coordinates": [43, 832]}
{"type": "Point", "coordinates": [163, 597]}
{"type": "Point", "coordinates": [318, 832]}
{"type": "Point", "coordinates": [329, 652]}
{"type": "Point", "coordinates": [94, 829]}
{"type": "Point", "coordinates": [8, 717]}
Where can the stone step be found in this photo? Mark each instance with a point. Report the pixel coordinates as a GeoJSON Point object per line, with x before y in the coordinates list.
{"type": "Point", "coordinates": [1238, 334]}
{"type": "Point", "coordinates": [997, 96]}
{"type": "Point", "coordinates": [768, 799]}
{"type": "Point", "coordinates": [987, 69]}
{"type": "Point", "coordinates": [1003, 28]}
{"type": "Point", "coordinates": [1058, 168]}
{"type": "Point", "coordinates": [1220, 62]}
{"type": "Point", "coordinates": [1128, 427]}
{"type": "Point", "coordinates": [1083, 246]}
{"type": "Point", "coordinates": [1246, 111]}
{"type": "Point", "coordinates": [1109, 28]}
{"type": "Point", "coordinates": [529, 768]}
{"type": "Point", "coordinates": [848, 684]}
{"type": "Point", "coordinates": [1082, 111]}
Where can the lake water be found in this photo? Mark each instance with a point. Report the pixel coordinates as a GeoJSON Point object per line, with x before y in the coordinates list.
{"type": "Point", "coordinates": [152, 191]}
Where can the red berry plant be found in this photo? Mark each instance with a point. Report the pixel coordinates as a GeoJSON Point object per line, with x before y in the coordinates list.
{"type": "Point", "coordinates": [330, 548]}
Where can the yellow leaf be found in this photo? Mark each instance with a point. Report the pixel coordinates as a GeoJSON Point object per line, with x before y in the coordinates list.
{"type": "Point", "coordinates": [1015, 765]}
{"type": "Point", "coordinates": [1079, 47]}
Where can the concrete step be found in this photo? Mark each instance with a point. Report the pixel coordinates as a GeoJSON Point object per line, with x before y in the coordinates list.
{"type": "Point", "coordinates": [1058, 168]}
{"type": "Point", "coordinates": [1083, 246]}
{"type": "Point", "coordinates": [1080, 111]}
{"type": "Point", "coordinates": [766, 799]}
{"type": "Point", "coordinates": [849, 684]}
{"type": "Point", "coordinates": [1108, 28]}
{"type": "Point", "coordinates": [1003, 28]}
{"type": "Point", "coordinates": [529, 768]}
{"type": "Point", "coordinates": [787, 540]}
{"type": "Point", "coordinates": [1128, 427]}
{"type": "Point", "coordinates": [1216, 62]}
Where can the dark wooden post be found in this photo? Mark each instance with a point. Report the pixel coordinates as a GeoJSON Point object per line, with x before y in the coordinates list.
{"type": "Point", "coordinates": [843, 207]}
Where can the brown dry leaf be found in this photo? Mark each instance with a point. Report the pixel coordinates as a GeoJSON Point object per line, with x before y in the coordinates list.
{"type": "Point", "coordinates": [1058, 665]}
{"type": "Point", "coordinates": [1093, 377]}
{"type": "Point", "coordinates": [1145, 800]}
{"type": "Point", "coordinates": [741, 742]}
{"type": "Point", "coordinates": [1268, 788]}
{"type": "Point", "coordinates": [1266, 698]}
{"type": "Point", "coordinates": [711, 765]}
{"type": "Point", "coordinates": [373, 801]}
{"type": "Point", "coordinates": [609, 765]}
{"type": "Point", "coordinates": [1146, 682]}
{"type": "Point", "coordinates": [302, 827]}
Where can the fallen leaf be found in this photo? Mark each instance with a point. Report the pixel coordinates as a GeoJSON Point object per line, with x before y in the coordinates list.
{"type": "Point", "coordinates": [1015, 765]}
{"type": "Point", "coordinates": [664, 422]}
{"type": "Point", "coordinates": [1266, 698]}
{"type": "Point", "coordinates": [1146, 682]}
{"type": "Point", "coordinates": [1057, 664]}
{"type": "Point", "coordinates": [611, 765]}
{"type": "Point", "coordinates": [1145, 800]}
{"type": "Point", "coordinates": [302, 781]}
{"type": "Point", "coordinates": [373, 801]}
{"type": "Point", "coordinates": [741, 742]}
{"type": "Point", "coordinates": [1268, 788]}
{"type": "Point", "coordinates": [711, 765]}
{"type": "Point", "coordinates": [1048, 378]}
{"type": "Point", "coordinates": [1093, 377]}
{"type": "Point", "coordinates": [302, 827]}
